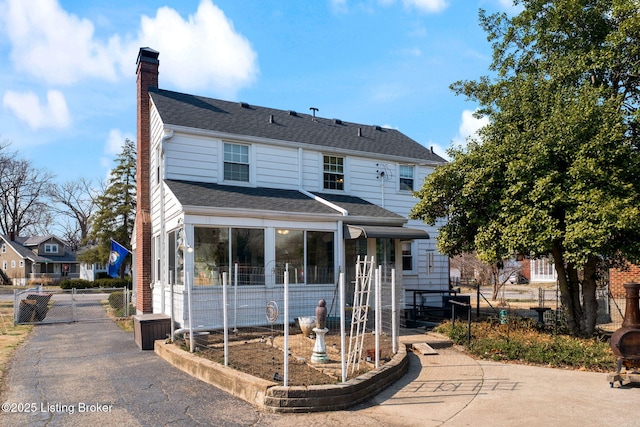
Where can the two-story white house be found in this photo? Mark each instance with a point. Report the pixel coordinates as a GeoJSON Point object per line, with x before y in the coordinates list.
{"type": "Point", "coordinates": [229, 183]}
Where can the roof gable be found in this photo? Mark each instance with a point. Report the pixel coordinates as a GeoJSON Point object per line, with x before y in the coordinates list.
{"type": "Point", "coordinates": [242, 119]}
{"type": "Point", "coordinates": [24, 246]}
{"type": "Point", "coordinates": [37, 240]}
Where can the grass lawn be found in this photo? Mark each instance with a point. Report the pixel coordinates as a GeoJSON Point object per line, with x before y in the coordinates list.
{"type": "Point", "coordinates": [11, 336]}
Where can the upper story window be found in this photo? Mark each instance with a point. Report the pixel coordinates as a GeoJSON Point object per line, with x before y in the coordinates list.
{"type": "Point", "coordinates": [236, 162]}
{"type": "Point", "coordinates": [50, 248]}
{"type": "Point", "coordinates": [3, 248]}
{"type": "Point", "coordinates": [406, 177]}
{"type": "Point", "coordinates": [333, 173]}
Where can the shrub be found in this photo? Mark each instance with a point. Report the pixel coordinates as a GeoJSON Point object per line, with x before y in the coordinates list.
{"type": "Point", "coordinates": [114, 283]}
{"type": "Point", "coordinates": [76, 283]}
{"type": "Point", "coordinates": [115, 299]}
{"type": "Point", "coordinates": [521, 341]}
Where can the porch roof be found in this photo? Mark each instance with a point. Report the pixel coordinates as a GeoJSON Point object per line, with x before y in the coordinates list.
{"type": "Point", "coordinates": [374, 231]}
{"type": "Point", "coordinates": [191, 193]}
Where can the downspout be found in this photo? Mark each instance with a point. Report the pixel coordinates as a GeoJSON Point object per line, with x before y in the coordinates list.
{"type": "Point", "coordinates": [333, 206]}
{"type": "Point", "coordinates": [162, 248]}
{"type": "Point", "coordinates": [340, 232]}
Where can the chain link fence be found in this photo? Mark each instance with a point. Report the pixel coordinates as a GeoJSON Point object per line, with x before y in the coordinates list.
{"type": "Point", "coordinates": [39, 306]}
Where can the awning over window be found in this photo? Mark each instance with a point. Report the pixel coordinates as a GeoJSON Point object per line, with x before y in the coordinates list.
{"type": "Point", "coordinates": [374, 231]}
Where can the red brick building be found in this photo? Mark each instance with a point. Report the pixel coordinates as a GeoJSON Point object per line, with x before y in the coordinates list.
{"type": "Point", "coordinates": [618, 277]}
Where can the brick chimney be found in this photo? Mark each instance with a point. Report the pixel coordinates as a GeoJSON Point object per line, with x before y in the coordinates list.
{"type": "Point", "coordinates": [147, 77]}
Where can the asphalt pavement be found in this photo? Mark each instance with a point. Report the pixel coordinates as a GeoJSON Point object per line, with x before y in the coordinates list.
{"type": "Point", "coordinates": [88, 374]}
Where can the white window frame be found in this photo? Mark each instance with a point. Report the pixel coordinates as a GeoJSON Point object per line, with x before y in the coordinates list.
{"type": "Point", "coordinates": [4, 247]}
{"type": "Point", "coordinates": [51, 248]}
{"type": "Point", "coordinates": [402, 175]}
{"type": "Point", "coordinates": [410, 256]}
{"type": "Point", "coordinates": [21, 263]}
{"type": "Point", "coordinates": [334, 169]}
{"type": "Point", "coordinates": [236, 161]}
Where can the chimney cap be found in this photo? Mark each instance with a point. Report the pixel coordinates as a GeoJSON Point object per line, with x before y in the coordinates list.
{"type": "Point", "coordinates": [147, 54]}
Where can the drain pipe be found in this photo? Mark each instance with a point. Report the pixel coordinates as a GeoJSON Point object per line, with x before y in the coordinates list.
{"type": "Point", "coordinates": [173, 326]}
{"type": "Point", "coordinates": [163, 230]}
{"type": "Point", "coordinates": [192, 341]}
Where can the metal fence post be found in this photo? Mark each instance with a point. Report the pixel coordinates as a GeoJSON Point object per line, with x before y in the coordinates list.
{"type": "Point", "coordinates": [73, 305]}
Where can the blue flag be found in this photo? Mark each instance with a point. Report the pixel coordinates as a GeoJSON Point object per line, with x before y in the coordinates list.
{"type": "Point", "coordinates": [116, 257]}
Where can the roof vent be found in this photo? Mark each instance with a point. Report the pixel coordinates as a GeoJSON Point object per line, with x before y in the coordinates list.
{"type": "Point", "coordinates": [271, 118]}
{"type": "Point", "coordinates": [337, 121]}
{"type": "Point", "coordinates": [359, 131]}
{"type": "Point", "coordinates": [244, 105]}
{"type": "Point", "coordinates": [376, 127]}
{"type": "Point", "coordinates": [313, 109]}
{"type": "Point", "coordinates": [293, 113]}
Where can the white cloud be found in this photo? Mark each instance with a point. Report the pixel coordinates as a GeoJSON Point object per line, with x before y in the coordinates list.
{"type": "Point", "coordinates": [27, 107]}
{"type": "Point", "coordinates": [339, 6]}
{"type": "Point", "coordinates": [203, 51]}
{"type": "Point", "coordinates": [469, 126]}
{"type": "Point", "coordinates": [112, 148]}
{"type": "Point", "coordinates": [427, 6]}
{"type": "Point", "coordinates": [115, 141]}
{"type": "Point", "coordinates": [57, 47]}
{"type": "Point", "coordinates": [509, 7]}
{"type": "Point", "coordinates": [53, 45]}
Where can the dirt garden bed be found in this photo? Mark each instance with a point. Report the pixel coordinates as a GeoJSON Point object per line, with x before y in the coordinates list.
{"type": "Point", "coordinates": [256, 354]}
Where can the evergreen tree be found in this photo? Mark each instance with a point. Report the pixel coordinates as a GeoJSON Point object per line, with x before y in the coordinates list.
{"type": "Point", "coordinates": [115, 210]}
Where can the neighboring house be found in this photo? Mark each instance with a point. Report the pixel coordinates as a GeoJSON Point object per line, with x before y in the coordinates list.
{"type": "Point", "coordinates": [223, 183]}
{"type": "Point", "coordinates": [90, 271]}
{"type": "Point", "coordinates": [618, 277]}
{"type": "Point", "coordinates": [542, 270]}
{"type": "Point", "coordinates": [25, 259]}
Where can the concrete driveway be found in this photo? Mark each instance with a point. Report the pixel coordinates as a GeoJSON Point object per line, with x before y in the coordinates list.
{"type": "Point", "coordinates": [88, 374]}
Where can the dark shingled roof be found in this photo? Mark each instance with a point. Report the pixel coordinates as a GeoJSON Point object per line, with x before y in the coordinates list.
{"type": "Point", "coordinates": [22, 246]}
{"type": "Point", "coordinates": [198, 112]}
{"type": "Point", "coordinates": [191, 193]}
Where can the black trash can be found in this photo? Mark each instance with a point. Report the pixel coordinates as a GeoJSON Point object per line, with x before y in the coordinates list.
{"type": "Point", "coordinates": [27, 311]}
{"type": "Point", "coordinates": [150, 327]}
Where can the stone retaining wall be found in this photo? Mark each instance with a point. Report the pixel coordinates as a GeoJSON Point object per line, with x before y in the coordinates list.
{"type": "Point", "coordinates": [276, 398]}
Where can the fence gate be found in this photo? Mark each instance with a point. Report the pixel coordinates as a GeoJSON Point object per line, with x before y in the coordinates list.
{"type": "Point", "coordinates": [36, 306]}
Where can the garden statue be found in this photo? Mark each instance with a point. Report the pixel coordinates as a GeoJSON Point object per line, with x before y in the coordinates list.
{"type": "Point", "coordinates": [319, 354]}
{"type": "Point", "coordinates": [321, 314]}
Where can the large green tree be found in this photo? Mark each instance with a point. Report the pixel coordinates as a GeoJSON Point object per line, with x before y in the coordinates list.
{"type": "Point", "coordinates": [115, 210]}
{"type": "Point", "coordinates": [556, 170]}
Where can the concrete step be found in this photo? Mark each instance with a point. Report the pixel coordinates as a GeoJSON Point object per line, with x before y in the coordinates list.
{"type": "Point", "coordinates": [424, 348]}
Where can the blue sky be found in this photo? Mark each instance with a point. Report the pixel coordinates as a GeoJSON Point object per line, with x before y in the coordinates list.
{"type": "Point", "coordinates": [67, 68]}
